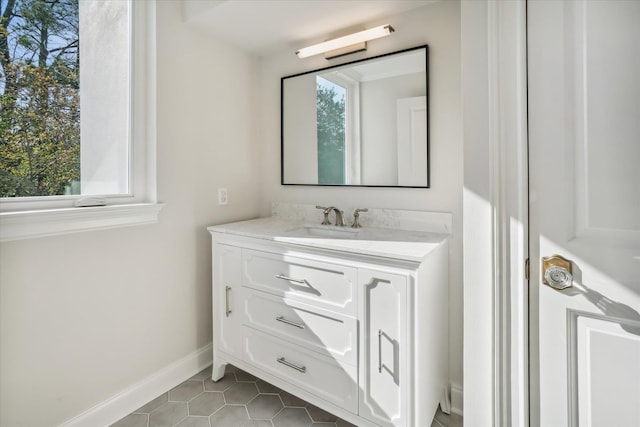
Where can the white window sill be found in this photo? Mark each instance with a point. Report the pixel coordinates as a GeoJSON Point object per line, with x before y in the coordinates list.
{"type": "Point", "coordinates": [52, 222]}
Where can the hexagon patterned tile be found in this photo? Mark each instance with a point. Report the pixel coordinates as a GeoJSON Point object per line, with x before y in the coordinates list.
{"type": "Point", "coordinates": [238, 400]}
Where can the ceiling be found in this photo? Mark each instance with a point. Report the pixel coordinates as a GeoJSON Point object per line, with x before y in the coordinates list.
{"type": "Point", "coordinates": [266, 26]}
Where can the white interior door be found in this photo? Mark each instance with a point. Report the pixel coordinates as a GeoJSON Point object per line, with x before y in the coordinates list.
{"type": "Point", "coordinates": [584, 136]}
{"type": "Point", "coordinates": [412, 134]}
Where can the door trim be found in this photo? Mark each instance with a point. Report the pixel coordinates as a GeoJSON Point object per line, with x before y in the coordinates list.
{"type": "Point", "coordinates": [496, 359]}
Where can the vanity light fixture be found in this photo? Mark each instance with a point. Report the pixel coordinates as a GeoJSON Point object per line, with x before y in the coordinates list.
{"type": "Point", "coordinates": [343, 45]}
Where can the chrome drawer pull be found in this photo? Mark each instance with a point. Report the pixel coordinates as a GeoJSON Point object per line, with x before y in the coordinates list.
{"type": "Point", "coordinates": [227, 310]}
{"type": "Point", "coordinates": [302, 369]}
{"type": "Point", "coordinates": [289, 322]}
{"type": "Point", "coordinates": [280, 276]}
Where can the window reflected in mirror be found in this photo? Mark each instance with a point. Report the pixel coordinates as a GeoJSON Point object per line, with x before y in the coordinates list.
{"type": "Point", "coordinates": [330, 106]}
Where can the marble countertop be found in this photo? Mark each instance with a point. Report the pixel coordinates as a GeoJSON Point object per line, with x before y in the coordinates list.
{"type": "Point", "coordinates": [383, 242]}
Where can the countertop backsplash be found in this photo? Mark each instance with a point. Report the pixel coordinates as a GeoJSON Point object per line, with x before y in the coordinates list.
{"type": "Point", "coordinates": [435, 222]}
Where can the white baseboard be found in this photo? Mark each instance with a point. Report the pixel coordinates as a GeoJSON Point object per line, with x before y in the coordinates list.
{"type": "Point", "coordinates": [133, 397]}
{"type": "Point", "coordinates": [456, 399]}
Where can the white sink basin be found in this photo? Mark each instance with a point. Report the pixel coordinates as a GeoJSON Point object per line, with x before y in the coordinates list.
{"type": "Point", "coordinates": [331, 231]}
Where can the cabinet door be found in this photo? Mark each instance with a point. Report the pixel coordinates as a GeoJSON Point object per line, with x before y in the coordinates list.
{"type": "Point", "coordinates": [227, 288]}
{"type": "Point", "coordinates": [383, 399]}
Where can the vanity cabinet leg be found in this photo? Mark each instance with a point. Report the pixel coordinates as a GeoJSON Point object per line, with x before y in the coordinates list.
{"type": "Point", "coordinates": [445, 402]}
{"type": "Point", "coordinates": [217, 371]}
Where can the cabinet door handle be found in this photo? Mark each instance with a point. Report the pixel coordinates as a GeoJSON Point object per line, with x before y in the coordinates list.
{"type": "Point", "coordinates": [289, 322]}
{"type": "Point", "coordinates": [280, 276]}
{"type": "Point", "coordinates": [227, 309]}
{"type": "Point", "coordinates": [380, 350]}
{"type": "Point", "coordinates": [302, 369]}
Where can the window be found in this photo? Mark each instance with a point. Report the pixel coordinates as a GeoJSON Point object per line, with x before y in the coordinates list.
{"type": "Point", "coordinates": [338, 128]}
{"type": "Point", "coordinates": [330, 107]}
{"type": "Point", "coordinates": [39, 98]}
{"type": "Point", "coordinates": [76, 118]}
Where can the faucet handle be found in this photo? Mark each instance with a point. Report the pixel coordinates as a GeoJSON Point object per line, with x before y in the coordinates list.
{"type": "Point", "coordinates": [356, 217]}
{"type": "Point", "coordinates": [326, 212]}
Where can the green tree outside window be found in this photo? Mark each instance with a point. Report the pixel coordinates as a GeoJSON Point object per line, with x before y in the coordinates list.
{"type": "Point", "coordinates": [39, 98]}
{"type": "Point", "coordinates": [330, 105]}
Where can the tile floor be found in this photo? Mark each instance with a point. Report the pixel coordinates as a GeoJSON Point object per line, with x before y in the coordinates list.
{"type": "Point", "coordinates": [238, 400]}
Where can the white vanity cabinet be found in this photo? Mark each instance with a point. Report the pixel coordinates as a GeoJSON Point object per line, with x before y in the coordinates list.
{"type": "Point", "coordinates": [361, 336]}
{"type": "Point", "coordinates": [227, 299]}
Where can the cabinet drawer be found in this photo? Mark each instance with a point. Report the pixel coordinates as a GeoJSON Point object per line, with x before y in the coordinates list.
{"type": "Point", "coordinates": [327, 332]}
{"type": "Point", "coordinates": [323, 376]}
{"type": "Point", "coordinates": [319, 283]}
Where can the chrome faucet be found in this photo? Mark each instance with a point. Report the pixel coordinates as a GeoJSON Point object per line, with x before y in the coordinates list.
{"type": "Point", "coordinates": [327, 211]}
{"type": "Point", "coordinates": [339, 216]}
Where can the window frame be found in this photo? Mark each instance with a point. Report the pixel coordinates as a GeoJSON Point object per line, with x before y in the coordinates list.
{"type": "Point", "coordinates": [30, 217]}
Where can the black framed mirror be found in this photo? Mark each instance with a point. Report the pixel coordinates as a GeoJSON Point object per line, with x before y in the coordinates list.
{"type": "Point", "coordinates": [363, 123]}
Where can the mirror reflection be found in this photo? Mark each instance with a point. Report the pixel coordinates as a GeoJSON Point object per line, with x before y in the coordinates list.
{"type": "Point", "coordinates": [364, 123]}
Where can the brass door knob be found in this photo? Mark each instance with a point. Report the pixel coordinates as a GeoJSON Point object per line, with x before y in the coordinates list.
{"type": "Point", "coordinates": [556, 272]}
